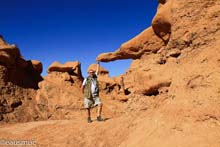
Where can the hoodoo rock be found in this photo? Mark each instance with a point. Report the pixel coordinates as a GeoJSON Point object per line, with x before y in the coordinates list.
{"type": "Point", "coordinates": [60, 92]}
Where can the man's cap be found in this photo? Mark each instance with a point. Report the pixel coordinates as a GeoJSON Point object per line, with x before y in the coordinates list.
{"type": "Point", "coordinates": [91, 71]}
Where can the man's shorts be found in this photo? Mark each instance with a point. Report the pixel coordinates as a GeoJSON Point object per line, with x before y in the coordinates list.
{"type": "Point", "coordinates": [89, 103]}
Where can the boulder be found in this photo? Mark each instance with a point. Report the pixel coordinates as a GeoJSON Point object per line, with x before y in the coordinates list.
{"type": "Point", "coordinates": [73, 68]}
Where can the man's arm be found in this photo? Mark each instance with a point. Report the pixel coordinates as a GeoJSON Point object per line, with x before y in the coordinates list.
{"type": "Point", "coordinates": [82, 88]}
{"type": "Point", "coordinates": [97, 68]}
{"type": "Point", "coordinates": [83, 85]}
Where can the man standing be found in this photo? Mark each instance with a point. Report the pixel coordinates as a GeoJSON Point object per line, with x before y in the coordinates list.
{"type": "Point", "coordinates": [90, 88]}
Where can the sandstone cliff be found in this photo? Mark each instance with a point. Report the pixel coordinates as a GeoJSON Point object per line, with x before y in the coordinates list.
{"type": "Point", "coordinates": [18, 82]}
{"type": "Point", "coordinates": [175, 75]}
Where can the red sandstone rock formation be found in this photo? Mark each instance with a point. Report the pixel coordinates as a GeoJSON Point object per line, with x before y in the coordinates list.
{"type": "Point", "coordinates": [18, 82]}
{"type": "Point", "coordinates": [174, 74]}
{"type": "Point", "coordinates": [59, 94]}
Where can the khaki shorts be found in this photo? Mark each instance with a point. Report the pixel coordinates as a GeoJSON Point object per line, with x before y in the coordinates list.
{"type": "Point", "coordinates": [89, 103]}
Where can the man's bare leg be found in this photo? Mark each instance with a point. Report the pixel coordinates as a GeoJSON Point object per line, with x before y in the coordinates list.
{"type": "Point", "coordinates": [89, 115]}
{"type": "Point", "coordinates": [99, 112]}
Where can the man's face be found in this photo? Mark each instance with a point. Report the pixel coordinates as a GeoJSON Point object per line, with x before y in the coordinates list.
{"type": "Point", "coordinates": [91, 73]}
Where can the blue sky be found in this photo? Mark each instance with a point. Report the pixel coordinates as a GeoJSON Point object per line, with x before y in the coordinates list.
{"type": "Point", "coordinates": [74, 30]}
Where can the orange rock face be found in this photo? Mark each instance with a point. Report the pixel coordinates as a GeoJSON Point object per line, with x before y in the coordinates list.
{"type": "Point", "coordinates": [18, 82]}
{"type": "Point", "coordinates": [174, 74]}
{"type": "Point", "coordinates": [59, 93]}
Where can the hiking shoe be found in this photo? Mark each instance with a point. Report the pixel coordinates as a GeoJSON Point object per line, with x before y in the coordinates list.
{"type": "Point", "coordinates": [89, 119]}
{"type": "Point", "coordinates": [100, 119]}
